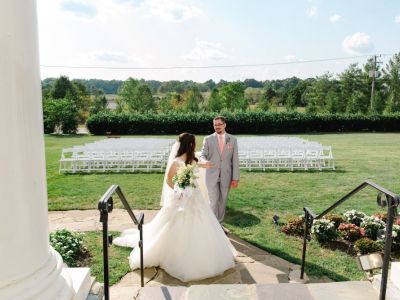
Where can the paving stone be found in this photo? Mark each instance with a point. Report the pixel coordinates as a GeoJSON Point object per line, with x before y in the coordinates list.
{"type": "Point", "coordinates": [244, 247]}
{"type": "Point", "coordinates": [286, 291]}
{"type": "Point", "coordinates": [124, 292]}
{"type": "Point", "coordinates": [349, 290]}
{"type": "Point", "coordinates": [294, 276]}
{"type": "Point", "coordinates": [244, 259]}
{"type": "Point", "coordinates": [260, 273]}
{"type": "Point", "coordinates": [219, 291]}
{"type": "Point", "coordinates": [88, 220]}
{"type": "Point", "coordinates": [133, 278]}
{"type": "Point", "coordinates": [162, 293]}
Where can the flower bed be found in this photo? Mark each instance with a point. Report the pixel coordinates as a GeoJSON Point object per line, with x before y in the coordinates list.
{"type": "Point", "coordinates": [354, 232]}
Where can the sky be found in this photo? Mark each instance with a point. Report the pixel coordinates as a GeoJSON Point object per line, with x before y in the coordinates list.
{"type": "Point", "coordinates": [213, 39]}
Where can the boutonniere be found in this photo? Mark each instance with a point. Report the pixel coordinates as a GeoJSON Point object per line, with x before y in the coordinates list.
{"type": "Point", "coordinates": [228, 144]}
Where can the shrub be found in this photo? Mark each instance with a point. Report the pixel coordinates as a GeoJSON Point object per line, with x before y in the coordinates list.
{"type": "Point", "coordinates": [371, 227]}
{"type": "Point", "coordinates": [61, 114]}
{"type": "Point", "coordinates": [366, 246]}
{"type": "Point", "coordinates": [354, 217]}
{"type": "Point", "coordinates": [335, 219]}
{"type": "Point", "coordinates": [295, 226]}
{"type": "Point", "coordinates": [241, 122]}
{"type": "Point", "coordinates": [68, 244]}
{"type": "Point", "coordinates": [381, 216]}
{"type": "Point", "coordinates": [349, 232]}
{"type": "Point", "coordinates": [324, 230]}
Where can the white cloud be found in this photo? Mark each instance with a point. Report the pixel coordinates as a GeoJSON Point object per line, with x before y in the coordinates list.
{"type": "Point", "coordinates": [358, 43]}
{"type": "Point", "coordinates": [171, 10]}
{"type": "Point", "coordinates": [109, 57]}
{"type": "Point", "coordinates": [312, 12]}
{"type": "Point", "coordinates": [80, 8]}
{"type": "Point", "coordinates": [397, 19]}
{"type": "Point", "coordinates": [205, 50]}
{"type": "Point", "coordinates": [335, 18]}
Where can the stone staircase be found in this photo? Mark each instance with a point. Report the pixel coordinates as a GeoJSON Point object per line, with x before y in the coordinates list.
{"type": "Point", "coordinates": [257, 275]}
{"type": "Point", "coordinates": [351, 290]}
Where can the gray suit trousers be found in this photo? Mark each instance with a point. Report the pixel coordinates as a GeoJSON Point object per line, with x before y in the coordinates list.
{"type": "Point", "coordinates": [218, 196]}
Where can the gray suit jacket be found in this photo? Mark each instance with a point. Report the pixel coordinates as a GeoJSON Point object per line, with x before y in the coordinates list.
{"type": "Point", "coordinates": [226, 166]}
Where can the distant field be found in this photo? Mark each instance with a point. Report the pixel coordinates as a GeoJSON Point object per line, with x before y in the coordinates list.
{"type": "Point", "coordinates": [260, 195]}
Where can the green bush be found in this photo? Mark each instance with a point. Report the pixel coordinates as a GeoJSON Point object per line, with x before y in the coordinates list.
{"type": "Point", "coordinates": [371, 226]}
{"type": "Point", "coordinates": [60, 114]}
{"type": "Point", "coordinates": [324, 230]}
{"type": "Point", "coordinates": [295, 226]}
{"type": "Point", "coordinates": [354, 217]}
{"type": "Point", "coordinates": [349, 232]}
{"type": "Point", "coordinates": [366, 246]}
{"type": "Point", "coordinates": [242, 122]}
{"type": "Point", "coordinates": [335, 219]}
{"type": "Point", "coordinates": [68, 244]}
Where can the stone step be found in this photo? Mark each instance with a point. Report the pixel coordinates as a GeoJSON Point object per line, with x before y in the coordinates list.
{"type": "Point", "coordinates": [395, 273]}
{"type": "Point", "coordinates": [349, 290]}
{"type": "Point", "coordinates": [392, 291]}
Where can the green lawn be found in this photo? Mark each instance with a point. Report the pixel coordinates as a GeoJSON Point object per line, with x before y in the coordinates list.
{"type": "Point", "coordinates": [260, 195]}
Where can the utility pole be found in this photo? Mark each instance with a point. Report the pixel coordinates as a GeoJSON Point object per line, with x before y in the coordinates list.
{"type": "Point", "coordinates": [373, 74]}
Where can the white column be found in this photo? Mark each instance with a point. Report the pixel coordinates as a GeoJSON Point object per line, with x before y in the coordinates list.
{"type": "Point", "coordinates": [29, 267]}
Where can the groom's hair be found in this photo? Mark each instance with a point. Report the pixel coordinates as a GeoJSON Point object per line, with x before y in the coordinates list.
{"type": "Point", "coordinates": [220, 118]}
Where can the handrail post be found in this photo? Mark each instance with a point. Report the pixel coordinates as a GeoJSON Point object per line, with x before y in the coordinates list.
{"type": "Point", "coordinates": [105, 207]}
{"type": "Point", "coordinates": [391, 203]}
{"type": "Point", "coordinates": [303, 260]}
{"type": "Point", "coordinates": [140, 227]}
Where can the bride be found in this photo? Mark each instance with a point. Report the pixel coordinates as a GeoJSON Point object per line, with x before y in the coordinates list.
{"type": "Point", "coordinates": [184, 238]}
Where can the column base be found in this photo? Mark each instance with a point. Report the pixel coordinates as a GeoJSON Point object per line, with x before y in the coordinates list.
{"type": "Point", "coordinates": [46, 283]}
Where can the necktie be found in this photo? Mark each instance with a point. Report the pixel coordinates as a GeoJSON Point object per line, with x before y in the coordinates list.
{"type": "Point", "coordinates": [221, 143]}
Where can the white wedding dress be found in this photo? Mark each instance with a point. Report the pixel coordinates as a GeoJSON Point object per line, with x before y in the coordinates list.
{"type": "Point", "coordinates": [184, 238]}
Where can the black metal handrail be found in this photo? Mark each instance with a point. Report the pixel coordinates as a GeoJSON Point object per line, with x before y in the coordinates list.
{"type": "Point", "coordinates": [105, 206]}
{"type": "Point", "coordinates": [392, 201]}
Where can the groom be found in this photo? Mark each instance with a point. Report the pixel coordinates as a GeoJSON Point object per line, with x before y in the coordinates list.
{"type": "Point", "coordinates": [221, 149]}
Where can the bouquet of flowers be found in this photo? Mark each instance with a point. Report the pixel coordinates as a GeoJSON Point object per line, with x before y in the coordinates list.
{"type": "Point", "coordinates": [184, 177]}
{"type": "Point", "coordinates": [184, 182]}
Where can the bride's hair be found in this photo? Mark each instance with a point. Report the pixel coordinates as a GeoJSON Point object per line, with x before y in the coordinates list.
{"type": "Point", "coordinates": [187, 145]}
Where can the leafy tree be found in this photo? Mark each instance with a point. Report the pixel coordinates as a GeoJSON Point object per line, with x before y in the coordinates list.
{"type": "Point", "coordinates": [232, 95]}
{"type": "Point", "coordinates": [193, 99]}
{"type": "Point", "coordinates": [61, 87]}
{"type": "Point", "coordinates": [175, 101]}
{"type": "Point", "coordinates": [253, 95]}
{"type": "Point", "coordinates": [392, 79]}
{"type": "Point", "coordinates": [215, 101]}
{"type": "Point", "coordinates": [210, 84]}
{"type": "Point", "coordinates": [333, 100]}
{"type": "Point", "coordinates": [316, 94]}
{"type": "Point", "coordinates": [353, 90]}
{"type": "Point", "coordinates": [99, 102]}
{"type": "Point", "coordinates": [252, 83]}
{"type": "Point", "coordinates": [135, 97]}
{"type": "Point", "coordinates": [60, 115]}
{"type": "Point", "coordinates": [265, 101]}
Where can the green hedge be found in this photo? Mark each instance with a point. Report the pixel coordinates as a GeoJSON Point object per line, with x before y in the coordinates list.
{"type": "Point", "coordinates": [240, 123]}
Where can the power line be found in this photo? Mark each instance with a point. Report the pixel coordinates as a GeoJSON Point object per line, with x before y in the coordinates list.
{"type": "Point", "coordinates": [212, 66]}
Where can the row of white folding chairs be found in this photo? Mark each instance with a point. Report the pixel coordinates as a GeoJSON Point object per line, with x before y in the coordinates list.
{"type": "Point", "coordinates": [289, 159]}
{"type": "Point", "coordinates": [113, 161]}
{"type": "Point", "coordinates": [276, 145]}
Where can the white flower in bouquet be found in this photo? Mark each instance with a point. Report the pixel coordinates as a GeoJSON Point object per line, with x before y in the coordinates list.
{"type": "Point", "coordinates": [184, 182]}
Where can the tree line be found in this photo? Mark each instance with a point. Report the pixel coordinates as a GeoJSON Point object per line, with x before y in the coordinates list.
{"type": "Point", "coordinates": [346, 92]}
